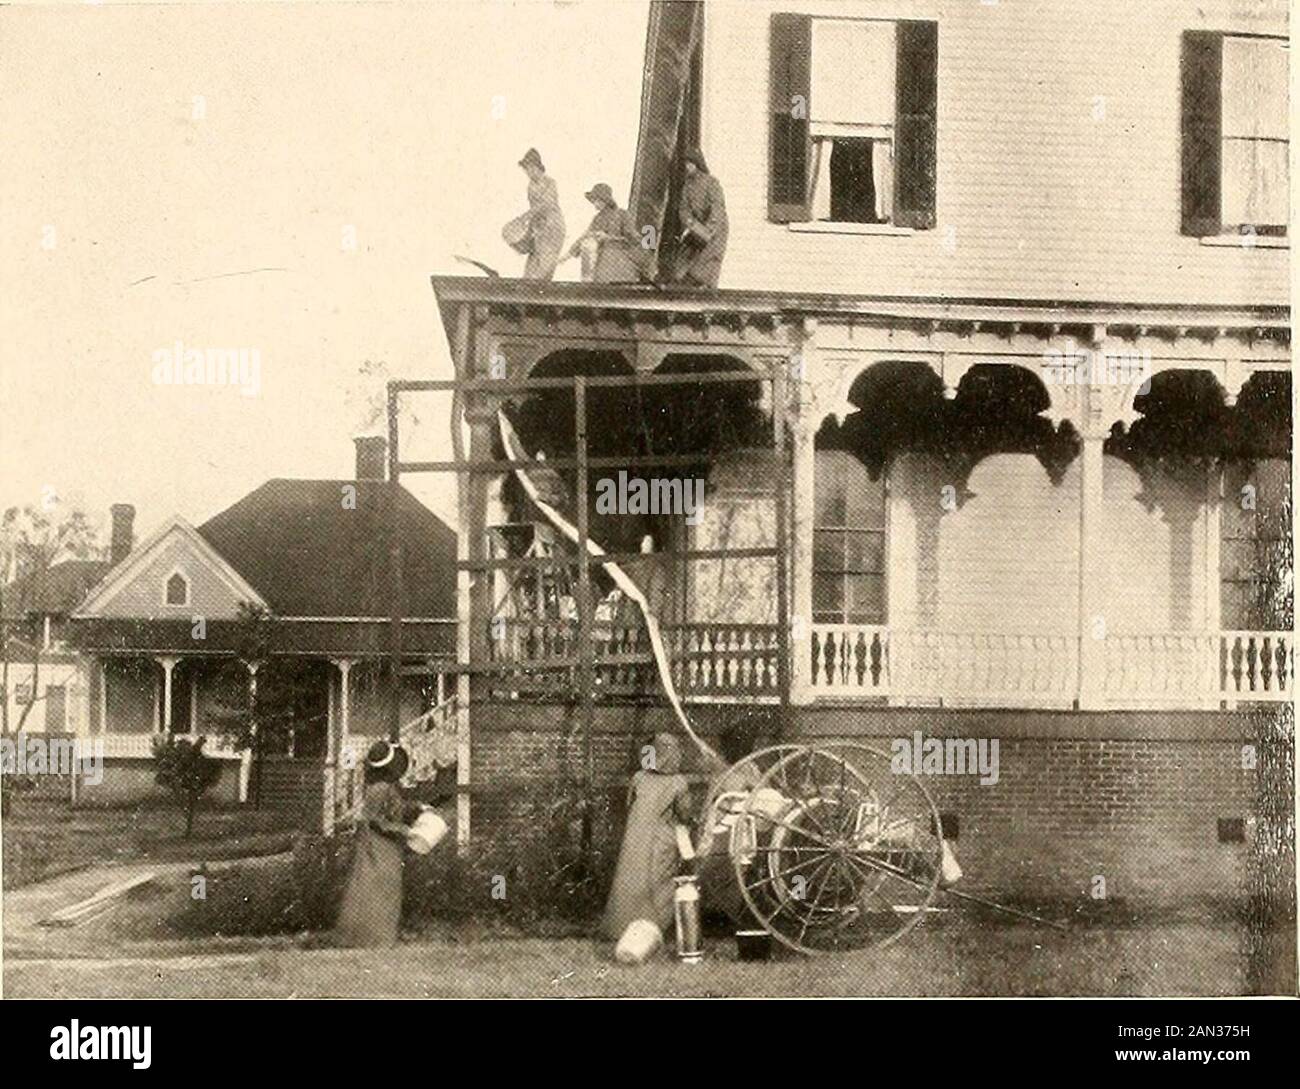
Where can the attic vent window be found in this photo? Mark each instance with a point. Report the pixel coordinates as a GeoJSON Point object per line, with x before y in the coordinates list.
{"type": "Point", "coordinates": [178, 589]}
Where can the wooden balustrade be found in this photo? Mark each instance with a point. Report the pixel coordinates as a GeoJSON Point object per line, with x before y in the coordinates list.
{"type": "Point", "coordinates": [872, 661]}
{"type": "Point", "coordinates": [1256, 665]}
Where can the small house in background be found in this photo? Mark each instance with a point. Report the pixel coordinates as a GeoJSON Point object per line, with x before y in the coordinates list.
{"type": "Point", "coordinates": [285, 594]}
{"type": "Point", "coordinates": [46, 690]}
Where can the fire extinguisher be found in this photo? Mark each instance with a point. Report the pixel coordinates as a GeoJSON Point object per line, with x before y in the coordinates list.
{"type": "Point", "coordinates": [686, 914]}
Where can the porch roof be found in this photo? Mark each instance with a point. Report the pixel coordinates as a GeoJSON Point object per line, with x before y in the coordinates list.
{"type": "Point", "coordinates": [318, 638]}
{"type": "Point", "coordinates": [669, 303]}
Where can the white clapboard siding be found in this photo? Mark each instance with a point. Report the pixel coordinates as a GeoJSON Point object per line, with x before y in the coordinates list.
{"type": "Point", "coordinates": [1008, 557]}
{"type": "Point", "coordinates": [1058, 157]}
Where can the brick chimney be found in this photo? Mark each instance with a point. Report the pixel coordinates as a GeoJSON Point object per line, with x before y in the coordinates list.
{"type": "Point", "coordinates": [372, 457]}
{"type": "Point", "coordinates": [123, 532]}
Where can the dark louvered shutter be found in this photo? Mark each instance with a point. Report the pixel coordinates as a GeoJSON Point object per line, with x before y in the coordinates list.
{"type": "Point", "coordinates": [1202, 153]}
{"type": "Point", "coordinates": [915, 129]}
{"type": "Point", "coordinates": [787, 177]}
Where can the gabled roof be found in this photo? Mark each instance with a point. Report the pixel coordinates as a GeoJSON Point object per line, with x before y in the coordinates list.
{"type": "Point", "coordinates": [125, 572]}
{"type": "Point", "coordinates": [311, 553]}
{"type": "Point", "coordinates": [58, 590]}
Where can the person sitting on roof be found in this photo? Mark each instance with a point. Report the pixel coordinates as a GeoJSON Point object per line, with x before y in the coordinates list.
{"type": "Point", "coordinates": [610, 248]}
{"type": "Point", "coordinates": [703, 215]}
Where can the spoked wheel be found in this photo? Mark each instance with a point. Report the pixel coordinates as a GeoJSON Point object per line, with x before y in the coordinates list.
{"type": "Point", "coordinates": [833, 850]}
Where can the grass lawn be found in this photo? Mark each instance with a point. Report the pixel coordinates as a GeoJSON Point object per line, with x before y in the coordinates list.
{"type": "Point", "coordinates": [43, 838]}
{"type": "Point", "coordinates": [960, 955]}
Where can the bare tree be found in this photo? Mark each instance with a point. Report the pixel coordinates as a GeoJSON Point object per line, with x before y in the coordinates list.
{"type": "Point", "coordinates": [32, 540]}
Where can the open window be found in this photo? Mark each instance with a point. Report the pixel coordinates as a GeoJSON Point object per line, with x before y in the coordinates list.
{"type": "Point", "coordinates": [853, 106]}
{"type": "Point", "coordinates": [1235, 134]}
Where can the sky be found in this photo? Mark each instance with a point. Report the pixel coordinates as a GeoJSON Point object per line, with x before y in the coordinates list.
{"type": "Point", "coordinates": [280, 179]}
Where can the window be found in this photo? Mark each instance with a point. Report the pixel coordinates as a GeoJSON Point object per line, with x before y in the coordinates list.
{"type": "Point", "coordinates": [851, 121]}
{"type": "Point", "coordinates": [853, 105]}
{"type": "Point", "coordinates": [23, 694]}
{"type": "Point", "coordinates": [1255, 522]}
{"type": "Point", "coordinates": [178, 589]}
{"type": "Point", "coordinates": [1235, 138]}
{"type": "Point", "coordinates": [848, 542]}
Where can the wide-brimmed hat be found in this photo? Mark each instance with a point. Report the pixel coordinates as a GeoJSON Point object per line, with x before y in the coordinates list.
{"type": "Point", "coordinates": [532, 158]}
{"type": "Point", "coordinates": [600, 193]}
{"type": "Point", "coordinates": [389, 758]}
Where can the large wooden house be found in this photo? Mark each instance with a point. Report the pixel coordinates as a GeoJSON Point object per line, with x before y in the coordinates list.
{"type": "Point", "coordinates": [1007, 293]}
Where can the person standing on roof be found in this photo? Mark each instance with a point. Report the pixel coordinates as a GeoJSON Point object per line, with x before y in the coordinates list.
{"type": "Point", "coordinates": [702, 212]}
{"type": "Point", "coordinates": [611, 246]}
{"type": "Point", "coordinates": [539, 232]}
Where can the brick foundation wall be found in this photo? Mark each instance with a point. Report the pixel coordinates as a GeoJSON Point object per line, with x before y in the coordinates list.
{"type": "Point", "coordinates": [1132, 797]}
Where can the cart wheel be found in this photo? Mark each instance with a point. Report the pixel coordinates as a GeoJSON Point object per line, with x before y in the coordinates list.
{"type": "Point", "coordinates": [833, 850]}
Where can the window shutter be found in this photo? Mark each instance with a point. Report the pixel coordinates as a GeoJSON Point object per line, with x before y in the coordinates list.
{"type": "Point", "coordinates": [1202, 148]}
{"type": "Point", "coordinates": [788, 151]}
{"type": "Point", "coordinates": [915, 129]}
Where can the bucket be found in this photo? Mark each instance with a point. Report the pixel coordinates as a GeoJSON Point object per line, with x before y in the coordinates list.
{"type": "Point", "coordinates": [753, 945]}
{"type": "Point", "coordinates": [517, 234]}
{"type": "Point", "coordinates": [950, 869]}
{"type": "Point", "coordinates": [640, 941]}
{"type": "Point", "coordinates": [426, 832]}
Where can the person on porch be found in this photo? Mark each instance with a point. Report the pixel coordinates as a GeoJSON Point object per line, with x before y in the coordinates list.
{"type": "Point", "coordinates": [371, 911]}
{"type": "Point", "coordinates": [610, 248]}
{"type": "Point", "coordinates": [703, 216]}
{"type": "Point", "coordinates": [539, 232]}
{"type": "Point", "coordinates": [649, 859]}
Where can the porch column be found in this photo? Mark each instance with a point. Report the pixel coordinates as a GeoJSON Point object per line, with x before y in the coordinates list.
{"type": "Point", "coordinates": [168, 664]}
{"type": "Point", "coordinates": [805, 422]}
{"type": "Point", "coordinates": [101, 667]}
{"type": "Point", "coordinates": [1092, 572]}
{"type": "Point", "coordinates": [246, 760]}
{"type": "Point", "coordinates": [194, 703]}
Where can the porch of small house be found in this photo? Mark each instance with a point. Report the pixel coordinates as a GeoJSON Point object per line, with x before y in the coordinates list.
{"type": "Point", "coordinates": [318, 715]}
{"type": "Point", "coordinates": [965, 517]}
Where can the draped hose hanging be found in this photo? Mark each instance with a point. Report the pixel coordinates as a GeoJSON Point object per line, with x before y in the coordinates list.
{"type": "Point", "coordinates": [515, 451]}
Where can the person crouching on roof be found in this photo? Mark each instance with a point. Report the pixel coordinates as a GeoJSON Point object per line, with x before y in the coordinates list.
{"type": "Point", "coordinates": [658, 801]}
{"type": "Point", "coordinates": [372, 902]}
{"type": "Point", "coordinates": [703, 215]}
{"type": "Point", "coordinates": [610, 248]}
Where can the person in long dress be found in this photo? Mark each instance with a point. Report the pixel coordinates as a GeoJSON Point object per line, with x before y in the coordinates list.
{"type": "Point", "coordinates": [703, 218]}
{"type": "Point", "coordinates": [659, 800]}
{"type": "Point", "coordinates": [371, 911]}
{"type": "Point", "coordinates": [610, 248]}
{"type": "Point", "coordinates": [545, 220]}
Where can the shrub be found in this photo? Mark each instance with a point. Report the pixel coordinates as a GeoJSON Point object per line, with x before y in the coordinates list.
{"type": "Point", "coordinates": [186, 771]}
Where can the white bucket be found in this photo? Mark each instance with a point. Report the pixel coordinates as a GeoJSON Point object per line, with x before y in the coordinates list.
{"type": "Point", "coordinates": [426, 833]}
{"type": "Point", "coordinates": [949, 870]}
{"type": "Point", "coordinates": [640, 941]}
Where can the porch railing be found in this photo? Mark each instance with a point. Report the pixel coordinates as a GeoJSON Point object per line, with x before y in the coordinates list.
{"type": "Point", "coordinates": [140, 746]}
{"type": "Point", "coordinates": [708, 661]}
{"type": "Point", "coordinates": [738, 662]}
{"type": "Point", "coordinates": [989, 669]}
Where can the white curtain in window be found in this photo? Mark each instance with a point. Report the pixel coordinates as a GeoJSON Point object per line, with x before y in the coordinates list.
{"type": "Point", "coordinates": [1255, 88]}
{"type": "Point", "coordinates": [1256, 182]}
{"type": "Point", "coordinates": [882, 176]}
{"type": "Point", "coordinates": [853, 63]}
{"type": "Point", "coordinates": [1256, 177]}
